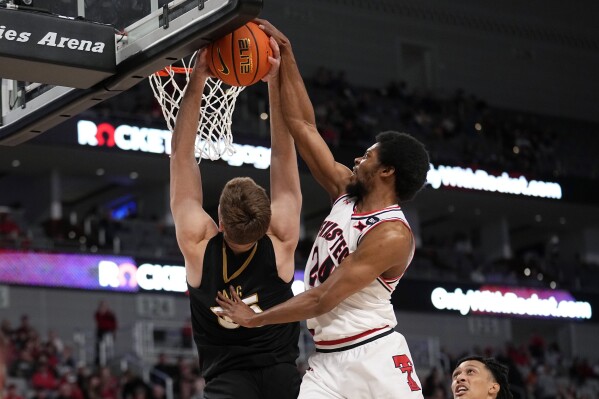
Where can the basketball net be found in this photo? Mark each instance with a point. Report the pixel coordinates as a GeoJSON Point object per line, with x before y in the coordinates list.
{"type": "Point", "coordinates": [218, 103]}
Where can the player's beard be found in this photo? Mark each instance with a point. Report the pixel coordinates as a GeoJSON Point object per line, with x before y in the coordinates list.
{"type": "Point", "coordinates": [356, 189]}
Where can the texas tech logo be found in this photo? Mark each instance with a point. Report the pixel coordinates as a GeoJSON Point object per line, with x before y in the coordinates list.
{"type": "Point", "coordinates": [404, 363]}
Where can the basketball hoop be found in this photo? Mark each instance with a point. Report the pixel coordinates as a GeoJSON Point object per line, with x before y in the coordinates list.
{"type": "Point", "coordinates": [218, 103]}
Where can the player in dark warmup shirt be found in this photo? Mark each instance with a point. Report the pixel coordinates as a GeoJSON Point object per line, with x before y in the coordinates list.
{"type": "Point", "coordinates": [251, 248]}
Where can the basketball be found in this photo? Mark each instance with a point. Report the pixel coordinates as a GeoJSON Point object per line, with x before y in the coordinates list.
{"type": "Point", "coordinates": [241, 57]}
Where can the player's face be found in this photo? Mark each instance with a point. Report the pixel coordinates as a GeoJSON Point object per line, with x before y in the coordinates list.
{"type": "Point", "coordinates": [472, 380]}
{"type": "Point", "coordinates": [364, 170]}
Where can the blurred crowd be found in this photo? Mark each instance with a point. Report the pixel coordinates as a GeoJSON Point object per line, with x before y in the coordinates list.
{"type": "Point", "coordinates": [47, 367]}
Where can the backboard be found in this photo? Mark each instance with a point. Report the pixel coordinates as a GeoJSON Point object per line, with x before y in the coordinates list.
{"type": "Point", "coordinates": [148, 35]}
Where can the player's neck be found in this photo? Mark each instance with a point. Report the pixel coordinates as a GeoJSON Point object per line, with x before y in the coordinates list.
{"type": "Point", "coordinates": [375, 200]}
{"type": "Point", "coordinates": [239, 248]}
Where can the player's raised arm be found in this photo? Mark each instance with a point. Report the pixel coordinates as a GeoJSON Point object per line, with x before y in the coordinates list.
{"type": "Point", "coordinates": [285, 192]}
{"type": "Point", "coordinates": [192, 223]}
{"type": "Point", "coordinates": [299, 115]}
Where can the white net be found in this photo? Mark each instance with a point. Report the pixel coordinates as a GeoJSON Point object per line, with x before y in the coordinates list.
{"type": "Point", "coordinates": [218, 103]}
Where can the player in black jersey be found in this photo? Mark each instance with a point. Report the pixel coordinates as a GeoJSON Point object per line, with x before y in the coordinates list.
{"type": "Point", "coordinates": [251, 248]}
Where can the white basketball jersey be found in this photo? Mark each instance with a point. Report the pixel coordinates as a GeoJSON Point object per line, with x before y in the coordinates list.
{"type": "Point", "coordinates": [367, 312]}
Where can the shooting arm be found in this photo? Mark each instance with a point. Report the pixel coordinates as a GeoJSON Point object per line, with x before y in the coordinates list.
{"type": "Point", "coordinates": [192, 223]}
{"type": "Point", "coordinates": [299, 115]}
{"type": "Point", "coordinates": [286, 196]}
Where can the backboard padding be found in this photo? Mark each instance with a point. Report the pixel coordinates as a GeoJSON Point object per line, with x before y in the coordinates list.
{"type": "Point", "coordinates": [150, 47]}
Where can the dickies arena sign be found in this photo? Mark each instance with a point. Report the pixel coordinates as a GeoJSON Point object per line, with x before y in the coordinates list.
{"type": "Point", "coordinates": [46, 48]}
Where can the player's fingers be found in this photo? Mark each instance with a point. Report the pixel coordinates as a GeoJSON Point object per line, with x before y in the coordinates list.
{"type": "Point", "coordinates": [234, 295]}
{"type": "Point", "coordinates": [220, 298]}
{"type": "Point", "coordinates": [276, 51]}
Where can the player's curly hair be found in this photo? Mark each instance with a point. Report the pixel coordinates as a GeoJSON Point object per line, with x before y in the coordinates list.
{"type": "Point", "coordinates": [408, 157]}
{"type": "Point", "coordinates": [244, 210]}
{"type": "Point", "coordinates": [499, 372]}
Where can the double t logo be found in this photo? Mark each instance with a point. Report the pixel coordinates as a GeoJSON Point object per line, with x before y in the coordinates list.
{"type": "Point", "coordinates": [404, 363]}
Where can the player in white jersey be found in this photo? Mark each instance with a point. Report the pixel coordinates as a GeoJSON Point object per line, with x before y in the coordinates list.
{"type": "Point", "coordinates": [368, 312]}
{"type": "Point", "coordinates": [362, 249]}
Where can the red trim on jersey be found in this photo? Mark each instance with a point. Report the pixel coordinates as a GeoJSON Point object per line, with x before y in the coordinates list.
{"type": "Point", "coordinates": [391, 280]}
{"type": "Point", "coordinates": [348, 339]}
{"type": "Point", "coordinates": [390, 207]}
{"type": "Point", "coordinates": [384, 284]}
{"type": "Point", "coordinates": [339, 198]}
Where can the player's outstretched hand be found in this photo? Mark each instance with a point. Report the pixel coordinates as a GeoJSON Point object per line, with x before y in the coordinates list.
{"type": "Point", "coordinates": [200, 68]}
{"type": "Point", "coordinates": [275, 61]}
{"type": "Point", "coordinates": [271, 31]}
{"type": "Point", "coordinates": [235, 309]}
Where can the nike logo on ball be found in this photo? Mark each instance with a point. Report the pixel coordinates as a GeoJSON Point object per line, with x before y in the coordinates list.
{"type": "Point", "coordinates": [224, 69]}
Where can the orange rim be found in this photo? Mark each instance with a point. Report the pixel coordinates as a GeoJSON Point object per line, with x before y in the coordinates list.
{"type": "Point", "coordinates": [165, 71]}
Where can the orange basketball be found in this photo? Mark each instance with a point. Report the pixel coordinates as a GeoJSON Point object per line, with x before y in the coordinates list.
{"type": "Point", "coordinates": [241, 57]}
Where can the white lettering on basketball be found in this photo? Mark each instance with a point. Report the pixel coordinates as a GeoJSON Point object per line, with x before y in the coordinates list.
{"type": "Point", "coordinates": [51, 39]}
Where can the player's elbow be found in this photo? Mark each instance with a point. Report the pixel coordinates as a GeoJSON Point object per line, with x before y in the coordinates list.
{"type": "Point", "coordinates": [299, 124]}
{"type": "Point", "coordinates": [323, 303]}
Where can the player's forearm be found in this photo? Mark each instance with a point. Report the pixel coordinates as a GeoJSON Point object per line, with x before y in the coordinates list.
{"type": "Point", "coordinates": [186, 125]}
{"type": "Point", "coordinates": [281, 140]}
{"type": "Point", "coordinates": [304, 306]}
{"type": "Point", "coordinates": [296, 105]}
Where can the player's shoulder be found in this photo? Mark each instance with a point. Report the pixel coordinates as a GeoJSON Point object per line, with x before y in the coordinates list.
{"type": "Point", "coordinates": [389, 231]}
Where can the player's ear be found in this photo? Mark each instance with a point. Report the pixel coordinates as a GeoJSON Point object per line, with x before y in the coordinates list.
{"type": "Point", "coordinates": [495, 388]}
{"type": "Point", "coordinates": [388, 170]}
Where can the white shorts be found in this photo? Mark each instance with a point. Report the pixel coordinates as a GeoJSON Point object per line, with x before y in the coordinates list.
{"type": "Point", "coordinates": [380, 369]}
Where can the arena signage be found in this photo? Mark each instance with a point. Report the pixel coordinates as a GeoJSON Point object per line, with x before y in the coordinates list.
{"type": "Point", "coordinates": [511, 301]}
{"type": "Point", "coordinates": [454, 176]}
{"type": "Point", "coordinates": [63, 270]}
{"type": "Point", "coordinates": [45, 48]}
{"type": "Point", "coordinates": [158, 141]}
{"type": "Point", "coordinates": [96, 272]}
{"type": "Point", "coordinates": [149, 277]}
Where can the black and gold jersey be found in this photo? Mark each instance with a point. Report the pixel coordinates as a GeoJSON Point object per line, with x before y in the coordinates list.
{"type": "Point", "coordinates": [223, 345]}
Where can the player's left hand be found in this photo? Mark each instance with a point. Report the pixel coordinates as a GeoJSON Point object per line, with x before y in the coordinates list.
{"type": "Point", "coordinates": [235, 309]}
{"type": "Point", "coordinates": [201, 68]}
{"type": "Point", "coordinates": [275, 61]}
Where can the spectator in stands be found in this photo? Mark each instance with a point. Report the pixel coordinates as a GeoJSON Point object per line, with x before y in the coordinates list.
{"type": "Point", "coordinates": [162, 370]}
{"type": "Point", "coordinates": [12, 392]}
{"type": "Point", "coordinates": [536, 347]}
{"type": "Point", "coordinates": [477, 377]}
{"type": "Point", "coordinates": [68, 388]}
{"type": "Point", "coordinates": [186, 381]}
{"type": "Point", "coordinates": [24, 365]}
{"type": "Point", "coordinates": [106, 325]}
{"type": "Point", "coordinates": [109, 384]}
{"type": "Point", "coordinates": [432, 381]}
{"type": "Point", "coordinates": [9, 230]}
{"type": "Point", "coordinates": [67, 358]}
{"type": "Point", "coordinates": [24, 332]}
{"type": "Point", "coordinates": [44, 378]}
{"type": "Point", "coordinates": [187, 334]}
{"type": "Point", "coordinates": [89, 383]}
{"type": "Point", "coordinates": [133, 386]}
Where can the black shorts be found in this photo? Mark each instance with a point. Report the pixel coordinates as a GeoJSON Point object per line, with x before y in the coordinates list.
{"type": "Point", "coordinates": [281, 381]}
